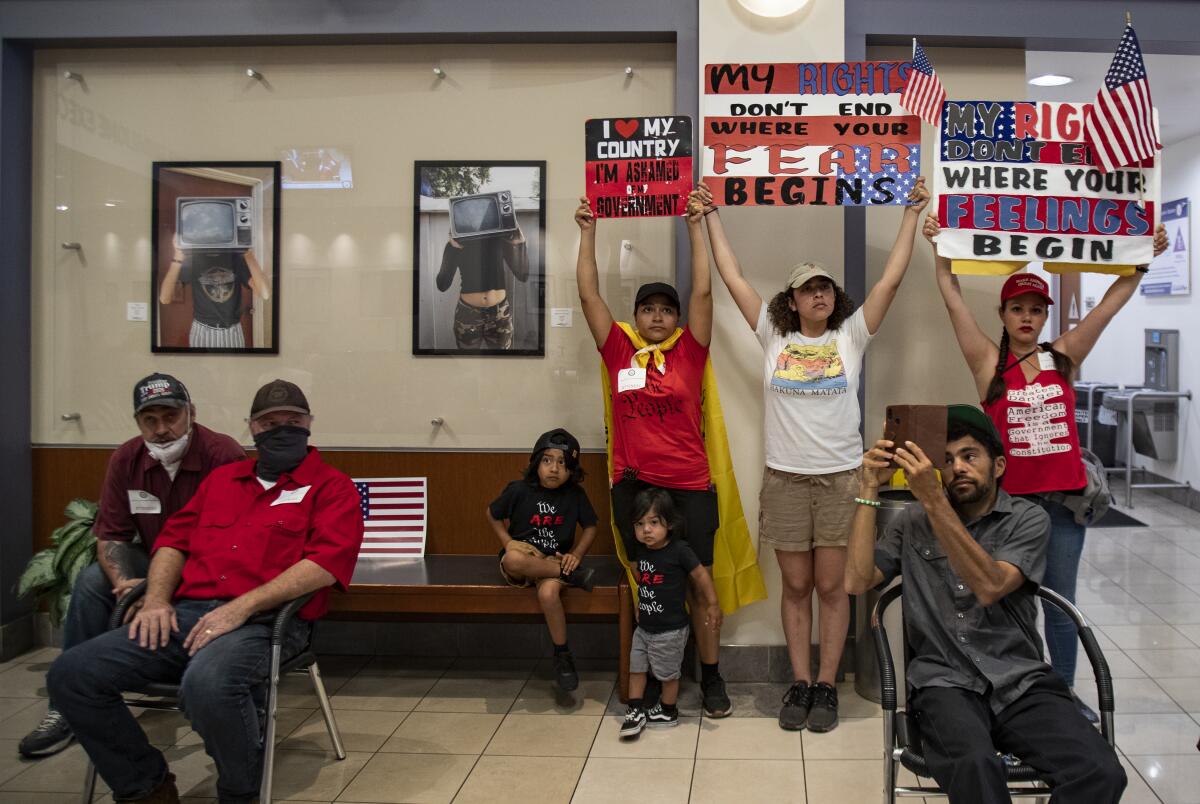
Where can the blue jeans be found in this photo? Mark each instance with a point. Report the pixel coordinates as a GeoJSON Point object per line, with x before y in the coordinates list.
{"type": "Point", "coordinates": [218, 691]}
{"type": "Point", "coordinates": [92, 601]}
{"type": "Point", "coordinates": [1062, 569]}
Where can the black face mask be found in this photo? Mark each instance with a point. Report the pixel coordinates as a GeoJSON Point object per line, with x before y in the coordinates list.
{"type": "Point", "coordinates": [280, 450]}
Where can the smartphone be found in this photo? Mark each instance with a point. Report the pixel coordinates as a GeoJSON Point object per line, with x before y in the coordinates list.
{"type": "Point", "coordinates": [924, 425]}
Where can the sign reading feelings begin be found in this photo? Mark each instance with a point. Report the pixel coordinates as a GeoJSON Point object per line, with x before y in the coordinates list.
{"type": "Point", "coordinates": [815, 133]}
{"type": "Point", "coordinates": [1015, 182]}
{"type": "Point", "coordinates": [639, 167]}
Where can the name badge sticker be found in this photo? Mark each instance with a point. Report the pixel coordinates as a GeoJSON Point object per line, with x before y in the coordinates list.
{"type": "Point", "coordinates": [630, 379]}
{"type": "Point", "coordinates": [1045, 361]}
{"type": "Point", "coordinates": [291, 496]}
{"type": "Point", "coordinates": [143, 502]}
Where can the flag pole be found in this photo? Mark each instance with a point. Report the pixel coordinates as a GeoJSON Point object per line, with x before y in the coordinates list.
{"type": "Point", "coordinates": [914, 49]}
{"type": "Point", "coordinates": [1128, 18]}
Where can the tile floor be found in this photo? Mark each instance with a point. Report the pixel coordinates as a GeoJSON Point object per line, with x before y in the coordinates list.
{"type": "Point", "coordinates": [493, 731]}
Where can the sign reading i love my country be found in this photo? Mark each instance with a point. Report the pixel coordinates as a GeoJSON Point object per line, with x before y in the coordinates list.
{"type": "Point", "coordinates": [1015, 181]}
{"type": "Point", "coordinates": [639, 167]}
{"type": "Point", "coordinates": [814, 133]}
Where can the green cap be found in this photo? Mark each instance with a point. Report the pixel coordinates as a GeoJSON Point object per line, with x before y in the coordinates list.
{"type": "Point", "coordinates": [976, 418]}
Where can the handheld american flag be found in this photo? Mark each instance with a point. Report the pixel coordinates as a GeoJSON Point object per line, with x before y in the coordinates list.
{"type": "Point", "coordinates": [394, 516]}
{"type": "Point", "coordinates": [924, 94]}
{"type": "Point", "coordinates": [1120, 127]}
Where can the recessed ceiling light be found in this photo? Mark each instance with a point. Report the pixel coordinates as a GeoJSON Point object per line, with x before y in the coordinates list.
{"type": "Point", "coordinates": [111, 203]}
{"type": "Point", "coordinates": [1051, 80]}
{"type": "Point", "coordinates": [773, 8]}
{"type": "Point", "coordinates": [62, 207]}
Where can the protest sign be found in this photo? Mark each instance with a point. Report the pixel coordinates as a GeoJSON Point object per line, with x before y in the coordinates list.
{"type": "Point", "coordinates": [639, 166]}
{"type": "Point", "coordinates": [812, 133]}
{"type": "Point", "coordinates": [1015, 182]}
{"type": "Point", "coordinates": [1170, 272]}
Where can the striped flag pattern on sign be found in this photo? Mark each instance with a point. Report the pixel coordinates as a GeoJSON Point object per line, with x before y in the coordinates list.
{"type": "Point", "coordinates": [394, 511]}
{"type": "Point", "coordinates": [924, 94]}
{"type": "Point", "coordinates": [1120, 128]}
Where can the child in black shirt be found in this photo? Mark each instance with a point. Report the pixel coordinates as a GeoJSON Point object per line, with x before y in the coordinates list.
{"type": "Point", "coordinates": [535, 520]}
{"type": "Point", "coordinates": [665, 564]}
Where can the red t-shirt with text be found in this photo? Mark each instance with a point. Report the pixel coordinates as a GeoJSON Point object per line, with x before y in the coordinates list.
{"type": "Point", "coordinates": [1036, 420]}
{"type": "Point", "coordinates": [656, 429]}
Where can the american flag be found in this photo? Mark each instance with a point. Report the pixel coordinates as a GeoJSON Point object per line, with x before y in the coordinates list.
{"type": "Point", "coordinates": [924, 95]}
{"type": "Point", "coordinates": [1120, 128]}
{"type": "Point", "coordinates": [394, 516]}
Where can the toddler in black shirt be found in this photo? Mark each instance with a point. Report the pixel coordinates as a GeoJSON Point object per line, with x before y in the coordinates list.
{"type": "Point", "coordinates": [535, 519]}
{"type": "Point", "coordinates": [663, 567]}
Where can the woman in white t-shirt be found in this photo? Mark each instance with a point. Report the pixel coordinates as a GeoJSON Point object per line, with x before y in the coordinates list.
{"type": "Point", "coordinates": [813, 342]}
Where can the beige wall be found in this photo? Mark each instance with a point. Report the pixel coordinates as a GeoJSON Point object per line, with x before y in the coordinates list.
{"type": "Point", "coordinates": [346, 255]}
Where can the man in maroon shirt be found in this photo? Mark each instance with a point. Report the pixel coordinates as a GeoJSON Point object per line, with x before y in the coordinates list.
{"type": "Point", "coordinates": [256, 534]}
{"type": "Point", "coordinates": [149, 478]}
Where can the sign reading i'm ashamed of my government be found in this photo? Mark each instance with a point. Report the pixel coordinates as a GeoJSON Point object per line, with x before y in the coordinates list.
{"type": "Point", "coordinates": [639, 166]}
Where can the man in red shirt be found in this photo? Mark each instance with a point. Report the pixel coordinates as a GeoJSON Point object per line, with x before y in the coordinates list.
{"type": "Point", "coordinates": [149, 478]}
{"type": "Point", "coordinates": [257, 533]}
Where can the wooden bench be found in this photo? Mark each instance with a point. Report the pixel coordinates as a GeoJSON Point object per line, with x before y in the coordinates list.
{"type": "Point", "coordinates": [469, 587]}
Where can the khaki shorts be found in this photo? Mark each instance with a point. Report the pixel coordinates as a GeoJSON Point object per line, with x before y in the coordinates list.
{"type": "Point", "coordinates": [799, 512]}
{"type": "Point", "coordinates": [528, 549]}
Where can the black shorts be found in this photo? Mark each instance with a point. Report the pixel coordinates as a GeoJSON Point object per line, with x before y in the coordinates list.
{"type": "Point", "coordinates": [698, 510]}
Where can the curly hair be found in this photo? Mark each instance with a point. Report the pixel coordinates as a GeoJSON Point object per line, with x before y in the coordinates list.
{"type": "Point", "coordinates": [784, 319]}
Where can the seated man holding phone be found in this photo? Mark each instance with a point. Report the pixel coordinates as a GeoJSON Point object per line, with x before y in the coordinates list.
{"type": "Point", "coordinates": [971, 557]}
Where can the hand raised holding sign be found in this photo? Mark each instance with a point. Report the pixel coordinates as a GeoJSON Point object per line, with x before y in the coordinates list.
{"type": "Point", "coordinates": [918, 197]}
{"type": "Point", "coordinates": [584, 216]}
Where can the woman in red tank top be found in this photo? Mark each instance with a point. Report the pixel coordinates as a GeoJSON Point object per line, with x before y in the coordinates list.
{"type": "Point", "coordinates": [1026, 388]}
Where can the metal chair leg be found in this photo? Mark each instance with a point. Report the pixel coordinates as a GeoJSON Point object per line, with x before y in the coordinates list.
{"type": "Point", "coordinates": [89, 782]}
{"type": "Point", "coordinates": [335, 736]}
{"type": "Point", "coordinates": [268, 772]}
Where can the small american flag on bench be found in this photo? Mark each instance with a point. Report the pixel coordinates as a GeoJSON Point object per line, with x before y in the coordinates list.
{"type": "Point", "coordinates": [394, 516]}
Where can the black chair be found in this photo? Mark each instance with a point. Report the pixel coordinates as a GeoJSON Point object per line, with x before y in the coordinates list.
{"type": "Point", "coordinates": [166, 696]}
{"type": "Point", "coordinates": [901, 738]}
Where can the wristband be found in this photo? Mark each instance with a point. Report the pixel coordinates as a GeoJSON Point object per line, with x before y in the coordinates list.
{"type": "Point", "coordinates": [1142, 269]}
{"type": "Point", "coordinates": [711, 211]}
{"type": "Point", "coordinates": [872, 503]}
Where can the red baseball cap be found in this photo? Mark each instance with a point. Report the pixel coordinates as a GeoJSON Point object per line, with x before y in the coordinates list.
{"type": "Point", "coordinates": [1017, 284]}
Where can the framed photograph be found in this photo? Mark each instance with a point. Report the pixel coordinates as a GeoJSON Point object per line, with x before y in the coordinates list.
{"type": "Point", "coordinates": [479, 277]}
{"type": "Point", "coordinates": [215, 257]}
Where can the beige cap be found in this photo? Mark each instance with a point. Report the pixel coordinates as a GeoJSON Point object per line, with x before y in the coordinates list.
{"type": "Point", "coordinates": [806, 271]}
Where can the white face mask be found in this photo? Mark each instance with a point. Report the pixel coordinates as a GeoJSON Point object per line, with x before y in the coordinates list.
{"type": "Point", "coordinates": [170, 454]}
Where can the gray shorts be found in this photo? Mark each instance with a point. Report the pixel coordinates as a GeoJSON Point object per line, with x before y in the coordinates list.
{"type": "Point", "coordinates": [662, 652]}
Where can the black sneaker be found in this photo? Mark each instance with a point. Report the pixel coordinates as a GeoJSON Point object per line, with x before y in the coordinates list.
{"type": "Point", "coordinates": [653, 692]}
{"type": "Point", "coordinates": [580, 578]}
{"type": "Point", "coordinates": [564, 671]}
{"type": "Point", "coordinates": [822, 713]}
{"type": "Point", "coordinates": [51, 736]}
{"type": "Point", "coordinates": [796, 701]}
{"type": "Point", "coordinates": [716, 701]}
{"type": "Point", "coordinates": [635, 721]}
{"type": "Point", "coordinates": [658, 718]}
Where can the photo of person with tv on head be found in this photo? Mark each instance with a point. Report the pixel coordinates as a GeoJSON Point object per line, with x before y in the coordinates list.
{"type": "Point", "coordinates": [478, 283]}
{"type": "Point", "coordinates": [215, 257]}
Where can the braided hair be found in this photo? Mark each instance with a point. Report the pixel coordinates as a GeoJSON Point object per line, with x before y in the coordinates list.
{"type": "Point", "coordinates": [1062, 364]}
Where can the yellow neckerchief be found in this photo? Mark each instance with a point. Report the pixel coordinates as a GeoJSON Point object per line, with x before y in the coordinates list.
{"type": "Point", "coordinates": [735, 571]}
{"type": "Point", "coordinates": [646, 349]}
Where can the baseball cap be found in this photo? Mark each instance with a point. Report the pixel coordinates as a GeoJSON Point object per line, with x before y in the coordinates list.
{"type": "Point", "coordinates": [558, 439]}
{"type": "Point", "coordinates": [973, 417]}
{"type": "Point", "coordinates": [279, 395]}
{"type": "Point", "coordinates": [159, 389]}
{"type": "Point", "coordinates": [1017, 284]}
{"type": "Point", "coordinates": [655, 288]}
{"type": "Point", "coordinates": [805, 271]}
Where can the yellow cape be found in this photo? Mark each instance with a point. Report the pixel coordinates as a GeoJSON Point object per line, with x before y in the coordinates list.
{"type": "Point", "coordinates": [1004, 268]}
{"type": "Point", "coordinates": [735, 564]}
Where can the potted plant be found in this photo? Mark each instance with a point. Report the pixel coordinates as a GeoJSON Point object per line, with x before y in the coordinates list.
{"type": "Point", "coordinates": [50, 575]}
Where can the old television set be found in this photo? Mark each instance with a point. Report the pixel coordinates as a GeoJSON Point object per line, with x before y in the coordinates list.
{"type": "Point", "coordinates": [214, 222]}
{"type": "Point", "coordinates": [482, 215]}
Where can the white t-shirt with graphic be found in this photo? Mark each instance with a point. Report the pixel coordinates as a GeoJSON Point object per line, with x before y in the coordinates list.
{"type": "Point", "coordinates": [810, 387]}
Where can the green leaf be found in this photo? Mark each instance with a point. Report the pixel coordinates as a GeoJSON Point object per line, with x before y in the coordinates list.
{"type": "Point", "coordinates": [67, 553]}
{"type": "Point", "coordinates": [39, 574]}
{"type": "Point", "coordinates": [58, 607]}
{"type": "Point", "coordinates": [82, 561]}
{"type": "Point", "coordinates": [81, 510]}
{"type": "Point", "coordinates": [67, 534]}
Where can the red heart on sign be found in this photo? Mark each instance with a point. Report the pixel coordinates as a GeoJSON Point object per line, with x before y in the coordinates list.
{"type": "Point", "coordinates": [626, 128]}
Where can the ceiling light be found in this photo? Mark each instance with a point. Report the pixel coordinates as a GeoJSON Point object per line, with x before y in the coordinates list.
{"type": "Point", "coordinates": [1051, 80]}
{"type": "Point", "coordinates": [62, 207]}
{"type": "Point", "coordinates": [110, 203]}
{"type": "Point", "coordinates": [773, 8]}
